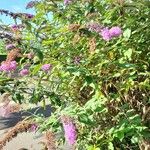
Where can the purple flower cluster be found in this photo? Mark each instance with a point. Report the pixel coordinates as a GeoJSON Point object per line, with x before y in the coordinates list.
{"type": "Point", "coordinates": [70, 130]}
{"type": "Point", "coordinates": [16, 27]}
{"type": "Point", "coordinates": [67, 2]}
{"type": "Point", "coordinates": [8, 66]}
{"type": "Point", "coordinates": [24, 72]}
{"type": "Point", "coordinates": [31, 4]}
{"type": "Point", "coordinates": [115, 31]}
{"type": "Point", "coordinates": [77, 60]}
{"type": "Point", "coordinates": [29, 16]}
{"type": "Point", "coordinates": [106, 33]}
{"type": "Point", "coordinates": [33, 127]}
{"type": "Point", "coordinates": [11, 66]}
{"type": "Point", "coordinates": [16, 15]}
{"type": "Point", "coordinates": [94, 27]}
{"type": "Point", "coordinates": [46, 67]}
{"type": "Point", "coordinates": [10, 46]}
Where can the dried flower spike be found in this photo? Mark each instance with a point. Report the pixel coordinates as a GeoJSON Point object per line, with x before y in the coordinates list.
{"type": "Point", "coordinates": [50, 140]}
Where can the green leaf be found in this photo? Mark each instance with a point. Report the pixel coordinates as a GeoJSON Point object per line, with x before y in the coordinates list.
{"type": "Point", "coordinates": [92, 148]}
{"type": "Point", "coordinates": [40, 54]}
{"type": "Point", "coordinates": [3, 79]}
{"type": "Point", "coordinates": [86, 119]}
{"type": "Point", "coordinates": [119, 135]}
{"type": "Point", "coordinates": [127, 65]}
{"type": "Point", "coordinates": [127, 33]}
{"type": "Point", "coordinates": [36, 69]}
{"type": "Point", "coordinates": [89, 79]}
{"type": "Point", "coordinates": [134, 140]}
{"type": "Point", "coordinates": [128, 53]}
{"type": "Point", "coordinates": [110, 146]}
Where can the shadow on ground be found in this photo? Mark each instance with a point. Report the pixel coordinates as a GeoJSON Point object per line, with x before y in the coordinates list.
{"type": "Point", "coordinates": [18, 116]}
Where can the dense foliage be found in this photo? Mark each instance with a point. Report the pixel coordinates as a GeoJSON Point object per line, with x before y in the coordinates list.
{"type": "Point", "coordinates": [91, 61]}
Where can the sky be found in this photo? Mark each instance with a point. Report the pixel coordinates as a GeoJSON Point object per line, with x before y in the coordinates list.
{"type": "Point", "coordinates": [14, 6]}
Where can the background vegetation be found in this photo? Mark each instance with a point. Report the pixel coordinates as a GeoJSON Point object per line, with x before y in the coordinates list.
{"type": "Point", "coordinates": [103, 85]}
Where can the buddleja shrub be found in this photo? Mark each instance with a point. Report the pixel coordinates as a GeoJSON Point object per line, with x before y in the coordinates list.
{"type": "Point", "coordinates": [98, 80]}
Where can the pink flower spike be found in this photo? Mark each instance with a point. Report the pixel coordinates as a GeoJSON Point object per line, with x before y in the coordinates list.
{"type": "Point", "coordinates": [66, 2]}
{"type": "Point", "coordinates": [10, 46]}
{"type": "Point", "coordinates": [46, 67]}
{"type": "Point", "coordinates": [24, 72]}
{"type": "Point", "coordinates": [115, 31]}
{"type": "Point", "coordinates": [69, 129]}
{"type": "Point", "coordinates": [8, 66]}
{"type": "Point", "coordinates": [106, 34]}
{"type": "Point", "coordinates": [31, 4]}
{"type": "Point", "coordinates": [15, 27]}
{"type": "Point", "coordinates": [13, 65]}
{"type": "Point", "coordinates": [70, 133]}
{"type": "Point", "coordinates": [33, 128]}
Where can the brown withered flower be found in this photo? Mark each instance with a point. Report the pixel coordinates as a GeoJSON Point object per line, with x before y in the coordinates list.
{"type": "Point", "coordinates": [76, 39]}
{"type": "Point", "coordinates": [121, 2]}
{"type": "Point", "coordinates": [91, 15]}
{"type": "Point", "coordinates": [20, 127]}
{"type": "Point", "coordinates": [13, 54]}
{"type": "Point", "coordinates": [73, 27]}
{"type": "Point", "coordinates": [50, 141]}
{"type": "Point", "coordinates": [92, 45]}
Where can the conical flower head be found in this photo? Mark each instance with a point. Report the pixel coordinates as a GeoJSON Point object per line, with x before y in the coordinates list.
{"type": "Point", "coordinates": [69, 129]}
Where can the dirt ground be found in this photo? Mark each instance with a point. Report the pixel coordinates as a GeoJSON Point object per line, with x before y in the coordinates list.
{"type": "Point", "coordinates": [26, 140]}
